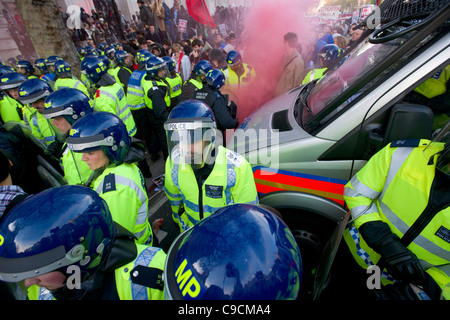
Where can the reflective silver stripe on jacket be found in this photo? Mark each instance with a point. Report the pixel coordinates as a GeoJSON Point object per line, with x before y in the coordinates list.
{"type": "Point", "coordinates": [361, 190]}
{"type": "Point", "coordinates": [116, 100]}
{"type": "Point", "coordinates": [139, 292]}
{"type": "Point", "coordinates": [398, 158]}
{"type": "Point", "coordinates": [142, 212]}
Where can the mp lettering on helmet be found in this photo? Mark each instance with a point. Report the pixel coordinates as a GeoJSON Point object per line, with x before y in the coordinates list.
{"type": "Point", "coordinates": [72, 132]}
{"type": "Point", "coordinates": [189, 286]}
{"type": "Point", "coordinates": [2, 240]}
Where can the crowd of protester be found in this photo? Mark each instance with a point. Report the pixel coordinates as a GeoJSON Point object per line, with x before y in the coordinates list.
{"type": "Point", "coordinates": [159, 28]}
{"type": "Point", "coordinates": [146, 28]}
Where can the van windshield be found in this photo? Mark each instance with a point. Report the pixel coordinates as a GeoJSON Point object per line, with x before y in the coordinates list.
{"type": "Point", "coordinates": [346, 81]}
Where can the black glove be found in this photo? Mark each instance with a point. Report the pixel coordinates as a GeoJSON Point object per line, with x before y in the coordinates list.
{"type": "Point", "coordinates": [400, 262]}
{"type": "Point", "coordinates": [396, 291]}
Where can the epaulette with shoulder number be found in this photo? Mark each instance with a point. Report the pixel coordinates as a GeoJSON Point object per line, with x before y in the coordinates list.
{"type": "Point", "coordinates": [410, 143]}
{"type": "Point", "coordinates": [109, 183]}
{"type": "Point", "coordinates": [147, 277]}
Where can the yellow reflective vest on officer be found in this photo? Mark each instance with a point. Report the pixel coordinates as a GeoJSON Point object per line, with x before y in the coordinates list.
{"type": "Point", "coordinates": [115, 73]}
{"type": "Point", "coordinates": [149, 85]}
{"type": "Point", "coordinates": [175, 85]}
{"type": "Point", "coordinates": [71, 83]}
{"type": "Point", "coordinates": [123, 189]}
{"type": "Point", "coordinates": [76, 171]}
{"type": "Point", "coordinates": [198, 84]}
{"type": "Point", "coordinates": [230, 181]}
{"type": "Point", "coordinates": [234, 81]}
{"type": "Point", "coordinates": [41, 128]}
{"type": "Point", "coordinates": [135, 91]}
{"type": "Point", "coordinates": [394, 187]}
{"type": "Point", "coordinates": [88, 84]}
{"type": "Point", "coordinates": [11, 110]}
{"type": "Point", "coordinates": [313, 75]}
{"type": "Point", "coordinates": [129, 286]}
{"type": "Point", "coordinates": [112, 99]}
{"type": "Point", "coordinates": [436, 84]}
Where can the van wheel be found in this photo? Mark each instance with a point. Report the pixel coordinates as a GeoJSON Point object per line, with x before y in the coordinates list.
{"type": "Point", "coordinates": [311, 232]}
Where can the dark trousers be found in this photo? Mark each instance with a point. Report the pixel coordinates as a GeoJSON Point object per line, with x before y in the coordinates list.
{"type": "Point", "coordinates": [151, 131]}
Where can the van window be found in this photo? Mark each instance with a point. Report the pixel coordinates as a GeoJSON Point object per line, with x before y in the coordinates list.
{"type": "Point", "coordinates": [350, 78]}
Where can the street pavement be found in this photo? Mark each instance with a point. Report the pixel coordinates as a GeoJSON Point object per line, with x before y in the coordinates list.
{"type": "Point", "coordinates": [159, 206]}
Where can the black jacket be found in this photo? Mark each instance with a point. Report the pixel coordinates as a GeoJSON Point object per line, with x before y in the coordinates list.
{"type": "Point", "coordinates": [146, 15]}
{"type": "Point", "coordinates": [217, 102]}
{"type": "Point", "coordinates": [157, 95]}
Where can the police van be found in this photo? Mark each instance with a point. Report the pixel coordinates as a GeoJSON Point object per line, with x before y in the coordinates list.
{"type": "Point", "coordinates": [322, 133]}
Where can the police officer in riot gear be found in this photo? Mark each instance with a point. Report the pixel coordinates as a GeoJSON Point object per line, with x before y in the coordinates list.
{"type": "Point", "coordinates": [195, 81]}
{"type": "Point", "coordinates": [66, 246]}
{"type": "Point", "coordinates": [110, 96]}
{"type": "Point", "coordinates": [102, 138]}
{"type": "Point", "coordinates": [250, 255]}
{"type": "Point", "coordinates": [63, 107]}
{"type": "Point", "coordinates": [65, 78]}
{"type": "Point", "coordinates": [157, 99]}
{"type": "Point", "coordinates": [211, 95]}
{"type": "Point", "coordinates": [201, 175]}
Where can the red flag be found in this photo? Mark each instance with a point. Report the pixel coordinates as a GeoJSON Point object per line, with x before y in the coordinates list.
{"type": "Point", "coordinates": [198, 10]}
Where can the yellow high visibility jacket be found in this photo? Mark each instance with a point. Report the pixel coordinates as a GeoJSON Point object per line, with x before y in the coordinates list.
{"type": "Point", "coordinates": [175, 85]}
{"type": "Point", "coordinates": [230, 181]}
{"type": "Point", "coordinates": [75, 170]}
{"type": "Point", "coordinates": [135, 91]}
{"type": "Point", "coordinates": [11, 110]}
{"type": "Point", "coordinates": [394, 187]}
{"type": "Point", "coordinates": [126, 289]}
{"type": "Point", "coordinates": [233, 81]}
{"type": "Point", "coordinates": [41, 128]}
{"type": "Point", "coordinates": [436, 84]}
{"type": "Point", "coordinates": [148, 85]}
{"type": "Point", "coordinates": [115, 73]}
{"type": "Point", "coordinates": [123, 189]}
{"type": "Point", "coordinates": [71, 83]}
{"type": "Point", "coordinates": [313, 75]}
{"type": "Point", "coordinates": [112, 99]}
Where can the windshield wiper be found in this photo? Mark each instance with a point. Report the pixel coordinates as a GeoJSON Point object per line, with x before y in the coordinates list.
{"type": "Point", "coordinates": [302, 98]}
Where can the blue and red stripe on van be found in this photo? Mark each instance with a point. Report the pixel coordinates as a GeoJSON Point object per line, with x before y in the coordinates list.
{"type": "Point", "coordinates": [270, 180]}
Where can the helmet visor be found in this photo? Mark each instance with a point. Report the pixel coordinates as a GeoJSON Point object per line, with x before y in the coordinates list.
{"type": "Point", "coordinates": [191, 147]}
{"type": "Point", "coordinates": [160, 71]}
{"type": "Point", "coordinates": [50, 113]}
{"type": "Point", "coordinates": [89, 143]}
{"type": "Point", "coordinates": [15, 270]}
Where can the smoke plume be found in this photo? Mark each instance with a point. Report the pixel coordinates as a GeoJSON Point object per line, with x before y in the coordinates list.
{"type": "Point", "coordinates": [262, 46]}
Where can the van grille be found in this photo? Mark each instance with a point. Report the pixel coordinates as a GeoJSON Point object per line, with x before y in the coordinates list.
{"type": "Point", "coordinates": [412, 9]}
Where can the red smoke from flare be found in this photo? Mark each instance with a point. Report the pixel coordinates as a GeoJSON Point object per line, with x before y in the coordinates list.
{"type": "Point", "coordinates": [266, 24]}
